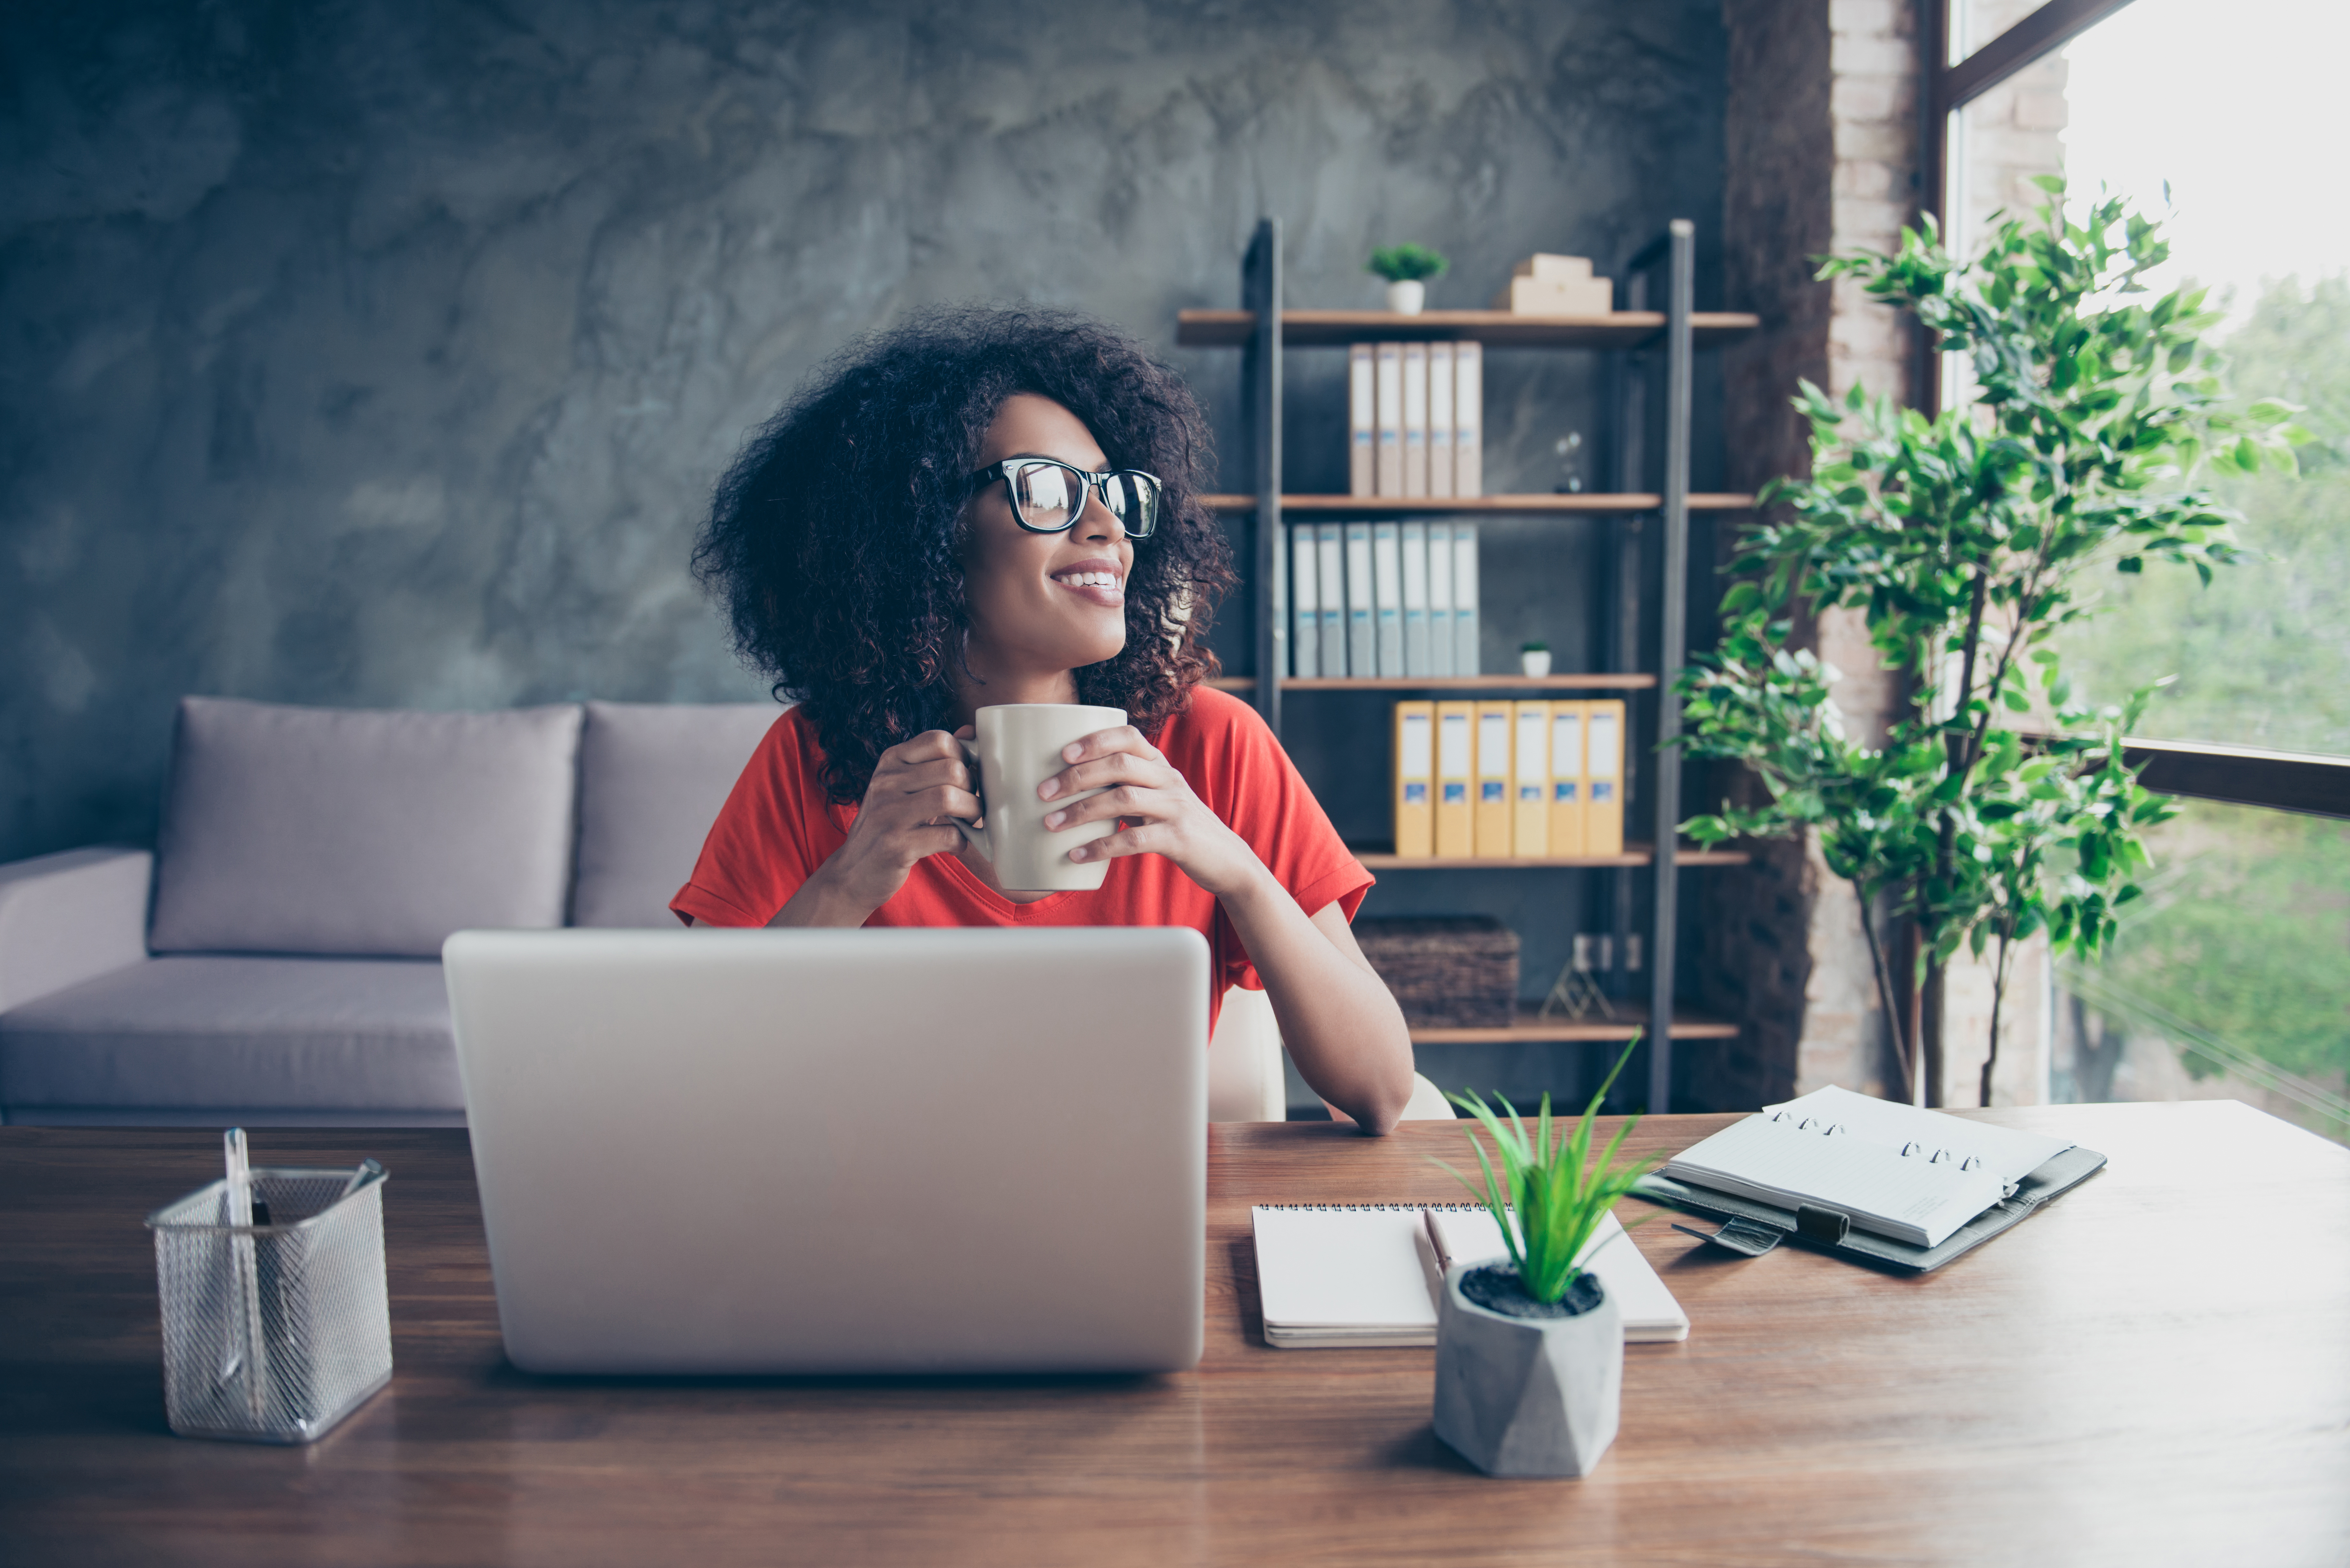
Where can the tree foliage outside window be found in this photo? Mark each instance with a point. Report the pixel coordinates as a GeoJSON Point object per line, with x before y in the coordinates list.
{"type": "Point", "coordinates": [2239, 957]}
{"type": "Point", "coordinates": [2000, 805]}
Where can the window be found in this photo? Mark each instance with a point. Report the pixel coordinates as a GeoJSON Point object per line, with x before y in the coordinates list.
{"type": "Point", "coordinates": [2233, 978]}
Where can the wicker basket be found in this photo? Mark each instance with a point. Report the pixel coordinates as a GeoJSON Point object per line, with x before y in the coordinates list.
{"type": "Point", "coordinates": [1457, 972]}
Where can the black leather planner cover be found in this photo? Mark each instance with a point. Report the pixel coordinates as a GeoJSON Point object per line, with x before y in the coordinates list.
{"type": "Point", "coordinates": [2059, 1174]}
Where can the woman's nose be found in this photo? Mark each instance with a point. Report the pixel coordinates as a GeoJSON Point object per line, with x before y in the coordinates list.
{"type": "Point", "coordinates": [1098, 521]}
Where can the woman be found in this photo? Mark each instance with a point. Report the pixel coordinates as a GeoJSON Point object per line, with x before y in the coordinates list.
{"type": "Point", "coordinates": [983, 507]}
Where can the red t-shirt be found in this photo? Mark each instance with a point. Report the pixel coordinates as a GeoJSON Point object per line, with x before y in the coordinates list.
{"type": "Point", "coordinates": [777, 828]}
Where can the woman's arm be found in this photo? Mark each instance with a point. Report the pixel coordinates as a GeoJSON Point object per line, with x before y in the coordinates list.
{"type": "Point", "coordinates": [1337, 1018]}
{"type": "Point", "coordinates": [918, 787]}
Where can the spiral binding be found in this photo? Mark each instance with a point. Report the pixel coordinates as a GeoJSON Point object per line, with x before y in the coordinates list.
{"type": "Point", "coordinates": [1373, 1207]}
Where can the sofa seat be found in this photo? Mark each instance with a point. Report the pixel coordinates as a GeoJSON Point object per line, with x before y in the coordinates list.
{"type": "Point", "coordinates": [302, 1041]}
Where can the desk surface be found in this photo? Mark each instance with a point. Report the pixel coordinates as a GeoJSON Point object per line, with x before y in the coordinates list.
{"type": "Point", "coordinates": [2155, 1369]}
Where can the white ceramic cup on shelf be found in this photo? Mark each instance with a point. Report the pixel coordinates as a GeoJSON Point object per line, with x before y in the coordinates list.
{"type": "Point", "coordinates": [1019, 747]}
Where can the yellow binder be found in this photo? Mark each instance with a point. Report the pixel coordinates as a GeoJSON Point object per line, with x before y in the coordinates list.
{"type": "Point", "coordinates": [1414, 780]}
{"type": "Point", "coordinates": [1493, 781]}
{"type": "Point", "coordinates": [1566, 787]}
{"type": "Point", "coordinates": [1456, 821]}
{"type": "Point", "coordinates": [1603, 822]}
{"type": "Point", "coordinates": [1530, 803]}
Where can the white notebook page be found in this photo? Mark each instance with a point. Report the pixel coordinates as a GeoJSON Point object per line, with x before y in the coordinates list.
{"type": "Point", "coordinates": [1909, 1197]}
{"type": "Point", "coordinates": [1352, 1268]}
{"type": "Point", "coordinates": [2008, 1154]}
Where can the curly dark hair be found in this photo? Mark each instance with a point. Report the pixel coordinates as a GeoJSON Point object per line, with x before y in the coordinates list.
{"type": "Point", "coordinates": [832, 539]}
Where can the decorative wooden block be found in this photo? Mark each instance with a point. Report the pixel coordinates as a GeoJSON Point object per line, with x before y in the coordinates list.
{"type": "Point", "coordinates": [1457, 972]}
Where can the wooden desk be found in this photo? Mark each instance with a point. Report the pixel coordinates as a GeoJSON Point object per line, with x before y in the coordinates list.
{"type": "Point", "coordinates": [2154, 1370]}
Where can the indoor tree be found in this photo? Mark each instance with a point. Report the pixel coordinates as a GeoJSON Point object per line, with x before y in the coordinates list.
{"type": "Point", "coordinates": [1997, 806]}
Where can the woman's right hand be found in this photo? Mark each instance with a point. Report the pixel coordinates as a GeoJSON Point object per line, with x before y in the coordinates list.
{"type": "Point", "coordinates": [919, 787]}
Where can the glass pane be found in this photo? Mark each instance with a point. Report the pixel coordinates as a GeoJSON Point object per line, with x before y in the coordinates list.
{"type": "Point", "coordinates": [1974, 23]}
{"type": "Point", "coordinates": [1998, 144]}
{"type": "Point", "coordinates": [2262, 656]}
{"type": "Point", "coordinates": [2228, 979]}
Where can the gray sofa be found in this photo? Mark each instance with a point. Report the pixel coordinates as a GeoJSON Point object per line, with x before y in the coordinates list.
{"type": "Point", "coordinates": [274, 961]}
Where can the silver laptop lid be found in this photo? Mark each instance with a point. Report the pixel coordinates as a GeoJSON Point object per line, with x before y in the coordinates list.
{"type": "Point", "coordinates": [890, 1150]}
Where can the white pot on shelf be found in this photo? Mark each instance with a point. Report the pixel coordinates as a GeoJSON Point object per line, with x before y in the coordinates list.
{"type": "Point", "coordinates": [1535, 662]}
{"type": "Point", "coordinates": [1408, 297]}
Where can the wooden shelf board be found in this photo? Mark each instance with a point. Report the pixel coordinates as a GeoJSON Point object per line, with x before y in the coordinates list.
{"type": "Point", "coordinates": [1592, 682]}
{"type": "Point", "coordinates": [1485, 506]}
{"type": "Point", "coordinates": [1498, 328]}
{"type": "Point", "coordinates": [1634, 854]}
{"type": "Point", "coordinates": [1528, 1029]}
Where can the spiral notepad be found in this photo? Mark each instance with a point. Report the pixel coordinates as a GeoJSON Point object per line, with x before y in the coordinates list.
{"type": "Point", "coordinates": [1368, 1275]}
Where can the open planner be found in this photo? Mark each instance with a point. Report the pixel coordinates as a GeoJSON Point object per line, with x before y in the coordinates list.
{"type": "Point", "coordinates": [1886, 1182]}
{"type": "Point", "coordinates": [1368, 1274]}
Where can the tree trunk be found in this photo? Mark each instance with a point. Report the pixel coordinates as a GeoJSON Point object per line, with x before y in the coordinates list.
{"type": "Point", "coordinates": [1929, 1030]}
{"type": "Point", "coordinates": [1998, 996]}
{"type": "Point", "coordinates": [2094, 1063]}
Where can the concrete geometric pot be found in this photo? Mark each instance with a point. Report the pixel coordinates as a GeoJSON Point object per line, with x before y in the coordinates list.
{"type": "Point", "coordinates": [1527, 1396]}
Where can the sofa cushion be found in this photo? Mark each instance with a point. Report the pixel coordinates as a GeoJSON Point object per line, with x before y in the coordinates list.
{"type": "Point", "coordinates": [313, 830]}
{"type": "Point", "coordinates": [651, 779]}
{"type": "Point", "coordinates": [188, 1033]}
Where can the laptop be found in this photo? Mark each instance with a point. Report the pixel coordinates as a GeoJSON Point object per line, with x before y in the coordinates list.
{"type": "Point", "coordinates": [863, 1151]}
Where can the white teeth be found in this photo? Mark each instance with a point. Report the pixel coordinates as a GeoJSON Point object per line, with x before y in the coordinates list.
{"type": "Point", "coordinates": [1089, 579]}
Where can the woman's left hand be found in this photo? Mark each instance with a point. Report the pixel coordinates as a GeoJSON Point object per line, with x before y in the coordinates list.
{"type": "Point", "coordinates": [1164, 817]}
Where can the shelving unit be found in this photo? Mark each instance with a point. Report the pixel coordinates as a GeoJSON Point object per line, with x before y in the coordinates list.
{"type": "Point", "coordinates": [1628, 682]}
{"type": "Point", "coordinates": [1634, 854]}
{"type": "Point", "coordinates": [1479, 505]}
{"type": "Point", "coordinates": [1264, 330]}
{"type": "Point", "coordinates": [1337, 328]}
{"type": "Point", "coordinates": [1530, 1028]}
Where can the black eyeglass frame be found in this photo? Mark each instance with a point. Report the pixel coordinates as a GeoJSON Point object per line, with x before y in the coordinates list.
{"type": "Point", "coordinates": [1095, 485]}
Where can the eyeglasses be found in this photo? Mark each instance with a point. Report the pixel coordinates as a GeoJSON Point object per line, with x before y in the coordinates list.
{"type": "Point", "coordinates": [1049, 497]}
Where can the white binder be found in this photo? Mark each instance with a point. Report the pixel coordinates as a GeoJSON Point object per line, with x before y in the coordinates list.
{"type": "Point", "coordinates": [1362, 632]}
{"type": "Point", "coordinates": [1330, 552]}
{"type": "Point", "coordinates": [1415, 419]}
{"type": "Point", "coordinates": [1468, 419]}
{"type": "Point", "coordinates": [1440, 598]}
{"type": "Point", "coordinates": [1415, 599]}
{"type": "Point", "coordinates": [1439, 419]}
{"type": "Point", "coordinates": [1387, 597]}
{"type": "Point", "coordinates": [1362, 422]}
{"type": "Point", "coordinates": [1389, 385]}
{"type": "Point", "coordinates": [1465, 658]}
{"type": "Point", "coordinates": [1305, 602]}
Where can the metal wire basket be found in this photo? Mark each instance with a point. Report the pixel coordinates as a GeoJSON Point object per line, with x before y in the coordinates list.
{"type": "Point", "coordinates": [274, 1331]}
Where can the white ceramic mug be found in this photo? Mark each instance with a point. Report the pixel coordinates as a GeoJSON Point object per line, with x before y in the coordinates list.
{"type": "Point", "coordinates": [1019, 747]}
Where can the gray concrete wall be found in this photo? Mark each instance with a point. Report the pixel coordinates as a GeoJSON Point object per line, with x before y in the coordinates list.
{"type": "Point", "coordinates": [383, 353]}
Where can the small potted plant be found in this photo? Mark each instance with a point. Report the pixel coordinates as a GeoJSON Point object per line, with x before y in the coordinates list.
{"type": "Point", "coordinates": [1534, 658]}
{"type": "Point", "coordinates": [1405, 267]}
{"type": "Point", "coordinates": [1530, 1353]}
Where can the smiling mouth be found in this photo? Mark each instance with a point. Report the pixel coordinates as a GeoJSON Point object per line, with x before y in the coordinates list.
{"type": "Point", "coordinates": [1099, 587]}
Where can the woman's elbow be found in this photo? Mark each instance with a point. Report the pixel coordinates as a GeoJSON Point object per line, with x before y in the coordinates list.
{"type": "Point", "coordinates": [1383, 1108]}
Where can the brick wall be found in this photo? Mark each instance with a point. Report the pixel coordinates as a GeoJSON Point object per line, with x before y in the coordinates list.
{"type": "Point", "coordinates": [1822, 127]}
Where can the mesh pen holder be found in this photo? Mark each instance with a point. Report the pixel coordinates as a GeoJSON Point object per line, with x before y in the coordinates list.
{"type": "Point", "coordinates": [273, 1334]}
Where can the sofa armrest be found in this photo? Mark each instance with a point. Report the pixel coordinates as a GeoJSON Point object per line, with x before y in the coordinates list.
{"type": "Point", "coordinates": [70, 916]}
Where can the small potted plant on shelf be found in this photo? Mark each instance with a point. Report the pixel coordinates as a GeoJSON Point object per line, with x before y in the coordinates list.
{"type": "Point", "coordinates": [1530, 1353]}
{"type": "Point", "coordinates": [1405, 267]}
{"type": "Point", "coordinates": [1534, 658]}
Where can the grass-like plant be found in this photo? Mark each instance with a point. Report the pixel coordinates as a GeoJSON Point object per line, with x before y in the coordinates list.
{"type": "Point", "coordinates": [1406, 264]}
{"type": "Point", "coordinates": [1560, 1195]}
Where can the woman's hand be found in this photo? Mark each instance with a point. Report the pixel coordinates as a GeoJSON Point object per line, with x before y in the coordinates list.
{"type": "Point", "coordinates": [919, 788]}
{"type": "Point", "coordinates": [1164, 817]}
